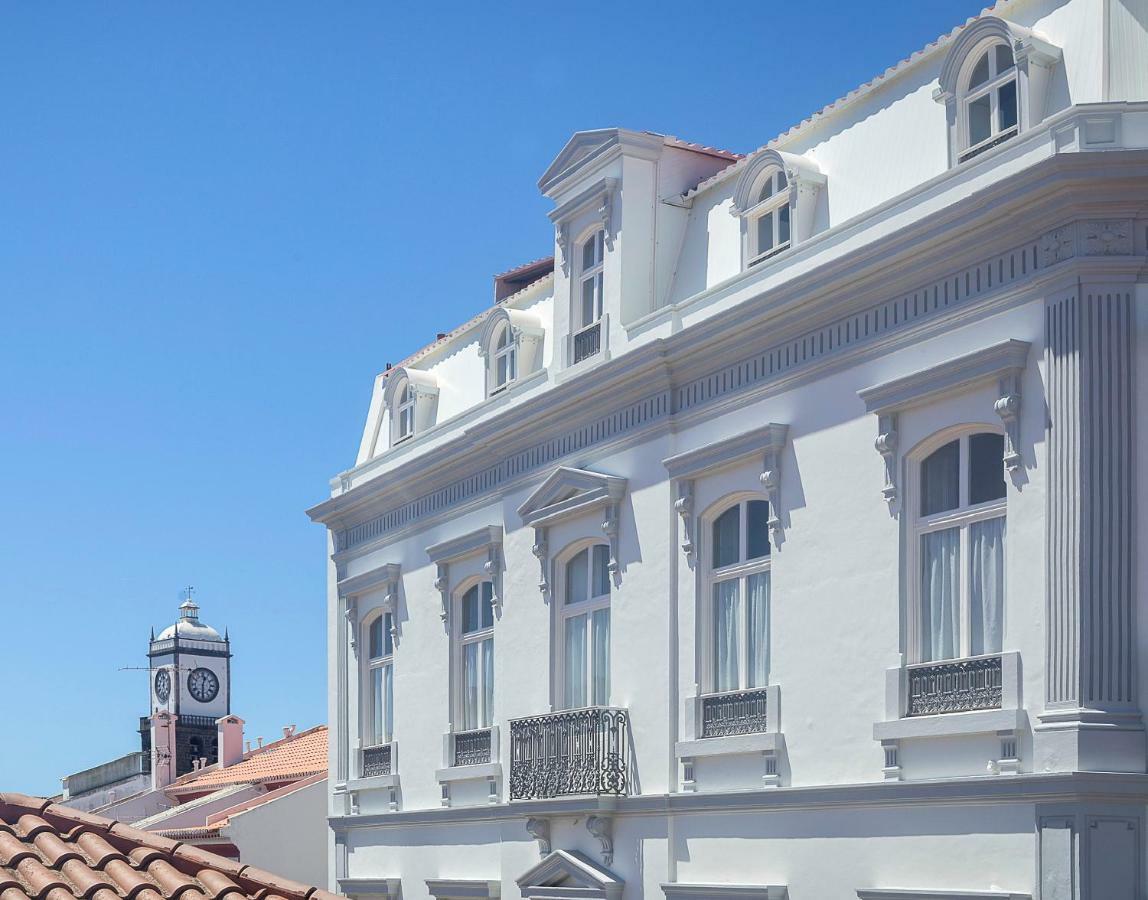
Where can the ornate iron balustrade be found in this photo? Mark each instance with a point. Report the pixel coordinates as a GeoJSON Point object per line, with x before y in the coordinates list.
{"type": "Point", "coordinates": [376, 760]}
{"type": "Point", "coordinates": [587, 342]}
{"type": "Point", "coordinates": [959, 685]}
{"type": "Point", "coordinates": [579, 751]}
{"type": "Point", "coordinates": [740, 712]}
{"type": "Point", "coordinates": [472, 748]}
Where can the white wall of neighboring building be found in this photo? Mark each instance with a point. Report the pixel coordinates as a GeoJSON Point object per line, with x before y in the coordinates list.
{"type": "Point", "coordinates": [919, 276]}
{"type": "Point", "coordinates": [287, 835]}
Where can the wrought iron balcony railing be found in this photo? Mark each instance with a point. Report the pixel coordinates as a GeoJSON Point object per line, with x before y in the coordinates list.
{"type": "Point", "coordinates": [587, 342]}
{"type": "Point", "coordinates": [957, 685]}
{"type": "Point", "coordinates": [377, 760]}
{"type": "Point", "coordinates": [737, 712]}
{"type": "Point", "coordinates": [472, 748]}
{"type": "Point", "coordinates": [577, 751]}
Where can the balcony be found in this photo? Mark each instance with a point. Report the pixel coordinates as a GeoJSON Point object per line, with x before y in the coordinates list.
{"type": "Point", "coordinates": [376, 761]}
{"type": "Point", "coordinates": [471, 748]}
{"type": "Point", "coordinates": [587, 342]}
{"type": "Point", "coordinates": [570, 753]}
{"type": "Point", "coordinates": [736, 712]}
{"type": "Point", "coordinates": [959, 685]}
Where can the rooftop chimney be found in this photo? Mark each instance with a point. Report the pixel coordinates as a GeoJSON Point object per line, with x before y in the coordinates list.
{"type": "Point", "coordinates": [162, 749]}
{"type": "Point", "coordinates": [259, 741]}
{"type": "Point", "coordinates": [230, 740]}
{"type": "Point", "coordinates": [289, 732]}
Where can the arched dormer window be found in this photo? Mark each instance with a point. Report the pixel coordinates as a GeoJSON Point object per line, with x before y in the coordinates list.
{"type": "Point", "coordinates": [993, 84]}
{"type": "Point", "coordinates": [511, 343]}
{"type": "Point", "coordinates": [412, 397]}
{"type": "Point", "coordinates": [776, 200]}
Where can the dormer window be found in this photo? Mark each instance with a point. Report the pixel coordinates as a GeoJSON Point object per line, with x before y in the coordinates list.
{"type": "Point", "coordinates": [511, 343]}
{"type": "Point", "coordinates": [989, 102]}
{"type": "Point", "coordinates": [776, 199]}
{"type": "Point", "coordinates": [405, 414]}
{"type": "Point", "coordinates": [769, 217]}
{"type": "Point", "coordinates": [588, 322]}
{"type": "Point", "coordinates": [993, 84]}
{"type": "Point", "coordinates": [412, 398]}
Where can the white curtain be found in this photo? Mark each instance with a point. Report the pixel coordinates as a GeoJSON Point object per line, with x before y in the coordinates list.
{"type": "Point", "coordinates": [377, 722]}
{"type": "Point", "coordinates": [725, 635]}
{"type": "Point", "coordinates": [388, 703]}
{"type": "Point", "coordinates": [600, 656]}
{"type": "Point", "coordinates": [986, 585]}
{"type": "Point", "coordinates": [486, 716]}
{"type": "Point", "coordinates": [940, 595]}
{"type": "Point", "coordinates": [757, 600]}
{"type": "Point", "coordinates": [470, 686]}
{"type": "Point", "coordinates": [575, 653]}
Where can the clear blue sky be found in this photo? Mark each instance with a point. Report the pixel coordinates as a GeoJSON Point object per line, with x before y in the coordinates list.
{"type": "Point", "coordinates": [219, 220]}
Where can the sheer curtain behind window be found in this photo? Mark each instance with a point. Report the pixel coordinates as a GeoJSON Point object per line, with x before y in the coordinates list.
{"type": "Point", "coordinates": [486, 713]}
{"type": "Point", "coordinates": [600, 651]}
{"type": "Point", "coordinates": [575, 653]}
{"type": "Point", "coordinates": [725, 635]}
{"type": "Point", "coordinates": [986, 585]}
{"type": "Point", "coordinates": [758, 639]}
{"type": "Point", "coordinates": [940, 595]}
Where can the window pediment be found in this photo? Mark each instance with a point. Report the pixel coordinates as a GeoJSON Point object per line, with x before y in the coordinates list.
{"type": "Point", "coordinates": [574, 872]}
{"type": "Point", "coordinates": [567, 492]}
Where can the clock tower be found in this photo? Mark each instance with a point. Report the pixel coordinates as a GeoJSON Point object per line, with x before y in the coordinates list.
{"type": "Point", "coordinates": [190, 668]}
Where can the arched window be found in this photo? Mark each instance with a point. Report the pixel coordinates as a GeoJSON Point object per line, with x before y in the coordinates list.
{"type": "Point", "coordinates": [474, 646]}
{"type": "Point", "coordinates": [588, 303]}
{"type": "Point", "coordinates": [405, 413]}
{"type": "Point", "coordinates": [989, 108]}
{"type": "Point", "coordinates": [738, 590]}
{"type": "Point", "coordinates": [380, 679]}
{"type": "Point", "coordinates": [505, 360]}
{"type": "Point", "coordinates": [584, 629]}
{"type": "Point", "coordinates": [957, 580]}
{"type": "Point", "coordinates": [769, 217]}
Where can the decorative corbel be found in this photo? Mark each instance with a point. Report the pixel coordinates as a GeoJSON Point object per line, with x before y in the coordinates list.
{"type": "Point", "coordinates": [540, 550]}
{"type": "Point", "coordinates": [351, 612]}
{"type": "Point", "coordinates": [442, 585]}
{"type": "Point", "coordinates": [391, 599]}
{"type": "Point", "coordinates": [493, 571]}
{"type": "Point", "coordinates": [610, 529]}
{"type": "Point", "coordinates": [606, 210]}
{"type": "Point", "coordinates": [602, 828]}
{"type": "Point", "coordinates": [886, 445]}
{"type": "Point", "coordinates": [562, 236]}
{"type": "Point", "coordinates": [770, 477]}
{"type": "Point", "coordinates": [539, 829]}
{"type": "Point", "coordinates": [684, 507]}
{"type": "Point", "coordinates": [1008, 408]}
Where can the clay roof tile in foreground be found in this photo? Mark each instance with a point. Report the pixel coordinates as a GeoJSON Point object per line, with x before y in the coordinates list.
{"type": "Point", "coordinates": [288, 759]}
{"type": "Point", "coordinates": [51, 852]}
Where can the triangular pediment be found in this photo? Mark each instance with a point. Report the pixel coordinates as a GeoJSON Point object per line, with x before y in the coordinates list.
{"type": "Point", "coordinates": [580, 149]}
{"type": "Point", "coordinates": [570, 874]}
{"type": "Point", "coordinates": [567, 491]}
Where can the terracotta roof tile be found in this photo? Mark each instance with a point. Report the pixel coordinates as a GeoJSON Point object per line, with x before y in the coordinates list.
{"type": "Point", "coordinates": [50, 852]}
{"type": "Point", "coordinates": [291, 758]}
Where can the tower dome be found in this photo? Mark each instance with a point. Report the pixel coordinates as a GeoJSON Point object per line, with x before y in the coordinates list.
{"type": "Point", "coordinates": [189, 625]}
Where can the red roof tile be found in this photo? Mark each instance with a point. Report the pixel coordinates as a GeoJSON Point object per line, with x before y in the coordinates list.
{"type": "Point", "coordinates": [288, 759]}
{"type": "Point", "coordinates": [51, 852]}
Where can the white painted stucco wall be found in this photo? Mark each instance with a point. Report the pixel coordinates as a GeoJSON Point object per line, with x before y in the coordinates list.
{"type": "Point", "coordinates": [287, 835]}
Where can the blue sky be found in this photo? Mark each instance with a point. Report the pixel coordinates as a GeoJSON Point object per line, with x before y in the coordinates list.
{"type": "Point", "coordinates": [218, 221]}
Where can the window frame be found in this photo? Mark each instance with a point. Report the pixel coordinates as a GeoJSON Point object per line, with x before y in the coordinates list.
{"type": "Point", "coordinates": [587, 607]}
{"type": "Point", "coordinates": [583, 274]}
{"type": "Point", "coordinates": [992, 88]}
{"type": "Point", "coordinates": [460, 640]}
{"type": "Point", "coordinates": [739, 571]}
{"type": "Point", "coordinates": [370, 664]}
{"type": "Point", "coordinates": [404, 412]}
{"type": "Point", "coordinates": [963, 516]}
{"type": "Point", "coordinates": [509, 352]}
{"type": "Point", "coordinates": [771, 205]}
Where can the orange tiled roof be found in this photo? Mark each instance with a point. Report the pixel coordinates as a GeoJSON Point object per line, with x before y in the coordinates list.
{"type": "Point", "coordinates": [297, 757]}
{"type": "Point", "coordinates": [52, 852]}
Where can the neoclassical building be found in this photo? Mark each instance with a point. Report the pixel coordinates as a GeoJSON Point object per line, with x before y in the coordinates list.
{"type": "Point", "coordinates": [777, 538]}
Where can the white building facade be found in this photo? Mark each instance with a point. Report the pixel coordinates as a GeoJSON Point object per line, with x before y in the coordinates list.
{"type": "Point", "coordinates": [781, 541]}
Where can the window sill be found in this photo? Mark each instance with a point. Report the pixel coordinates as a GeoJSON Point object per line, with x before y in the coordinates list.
{"type": "Point", "coordinates": [765, 742]}
{"type": "Point", "coordinates": [481, 771]}
{"type": "Point", "coordinates": [372, 782]}
{"type": "Point", "coordinates": [981, 721]}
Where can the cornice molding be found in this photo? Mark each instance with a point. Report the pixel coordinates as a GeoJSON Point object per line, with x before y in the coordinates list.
{"type": "Point", "coordinates": [847, 328]}
{"type": "Point", "coordinates": [712, 891]}
{"type": "Point", "coordinates": [488, 540]}
{"type": "Point", "coordinates": [384, 578]}
{"type": "Point", "coordinates": [917, 894]}
{"type": "Point", "coordinates": [375, 887]}
{"type": "Point", "coordinates": [462, 888]}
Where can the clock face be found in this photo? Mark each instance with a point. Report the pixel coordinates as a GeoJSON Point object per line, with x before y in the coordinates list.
{"type": "Point", "coordinates": [203, 685]}
{"type": "Point", "coordinates": [162, 685]}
